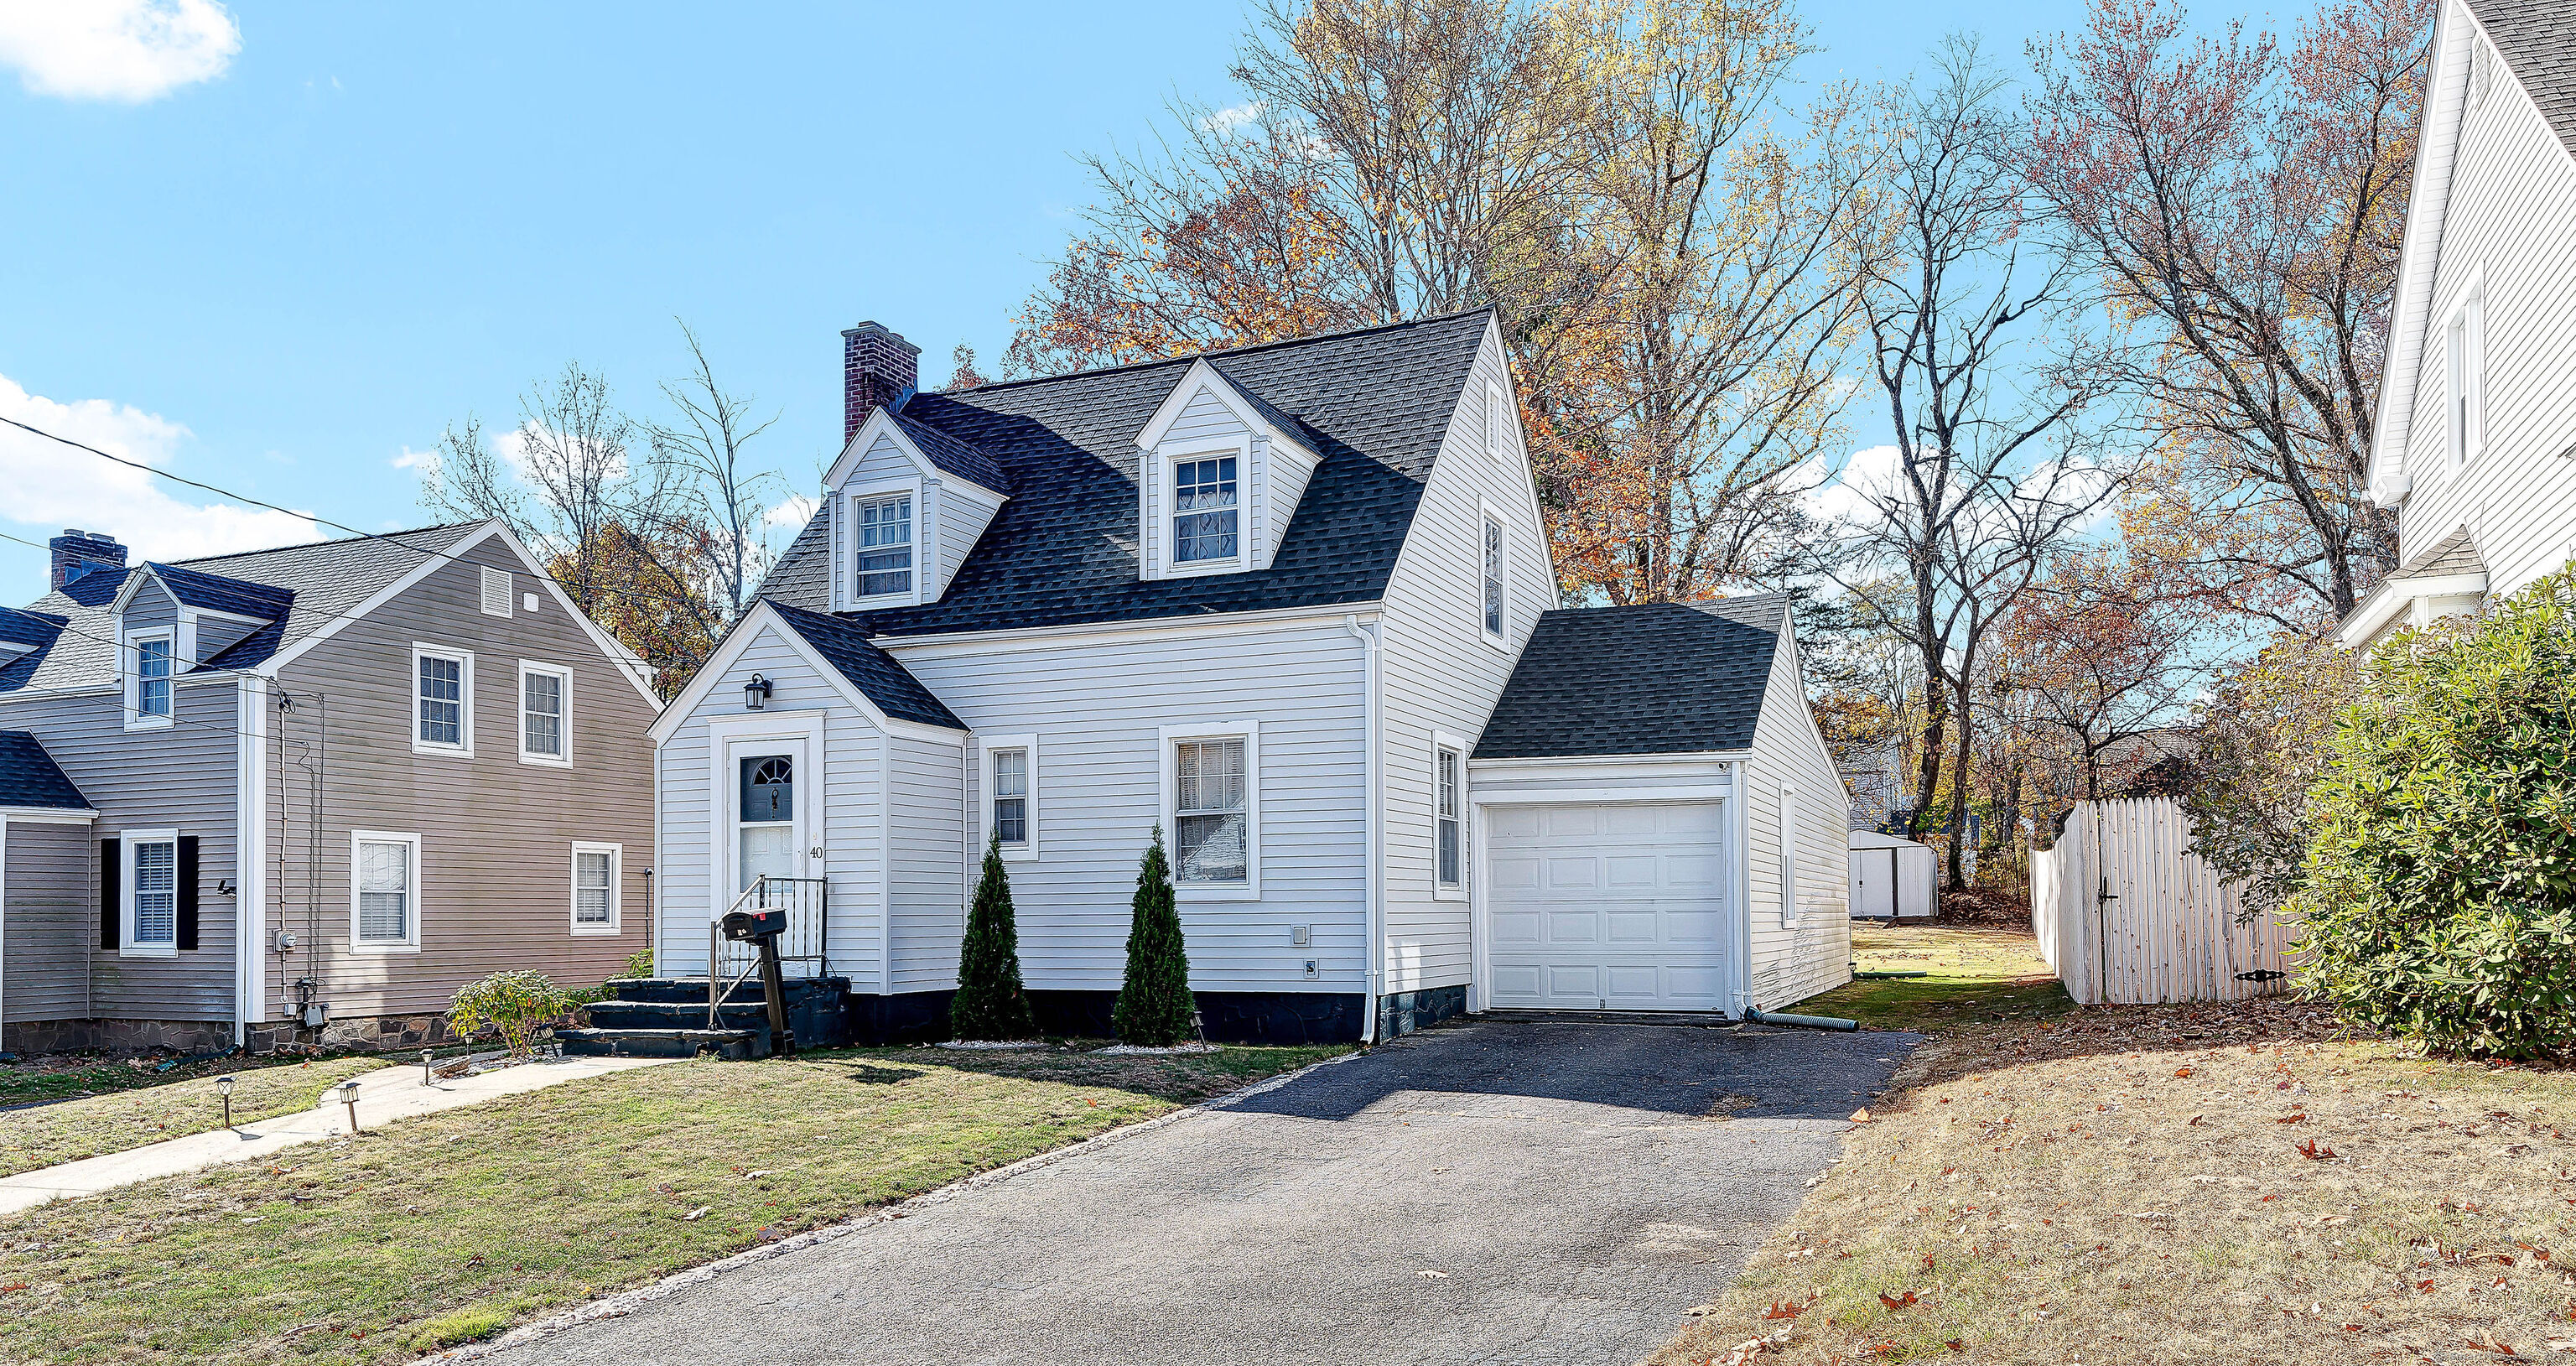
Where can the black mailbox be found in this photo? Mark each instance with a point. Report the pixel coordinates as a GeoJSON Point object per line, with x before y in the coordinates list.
{"type": "Point", "coordinates": [754, 925]}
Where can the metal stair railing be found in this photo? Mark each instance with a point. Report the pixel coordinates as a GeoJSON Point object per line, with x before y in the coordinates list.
{"type": "Point", "coordinates": [806, 942]}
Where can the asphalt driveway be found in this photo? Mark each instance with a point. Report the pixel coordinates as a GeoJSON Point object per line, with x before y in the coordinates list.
{"type": "Point", "coordinates": [1490, 1192]}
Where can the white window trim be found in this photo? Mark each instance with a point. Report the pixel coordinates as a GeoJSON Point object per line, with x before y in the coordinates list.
{"type": "Point", "coordinates": [1442, 891]}
{"type": "Point", "coordinates": [132, 651]}
{"type": "Point", "coordinates": [563, 678]}
{"type": "Point", "coordinates": [986, 745]}
{"type": "Point", "coordinates": [465, 699]}
{"type": "Point", "coordinates": [483, 587]}
{"type": "Point", "coordinates": [616, 888]}
{"type": "Point", "coordinates": [125, 945]}
{"type": "Point", "coordinates": [1487, 512]}
{"type": "Point", "coordinates": [1164, 495]}
{"type": "Point", "coordinates": [411, 923]}
{"type": "Point", "coordinates": [2469, 314]}
{"type": "Point", "coordinates": [848, 577]}
{"type": "Point", "coordinates": [1249, 732]}
{"type": "Point", "coordinates": [1788, 855]}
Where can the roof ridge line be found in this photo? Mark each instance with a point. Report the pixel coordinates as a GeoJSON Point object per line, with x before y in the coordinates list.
{"type": "Point", "coordinates": [1225, 351]}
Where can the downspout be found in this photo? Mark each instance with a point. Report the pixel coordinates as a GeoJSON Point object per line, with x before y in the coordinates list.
{"type": "Point", "coordinates": [1742, 840]}
{"type": "Point", "coordinates": [1373, 978]}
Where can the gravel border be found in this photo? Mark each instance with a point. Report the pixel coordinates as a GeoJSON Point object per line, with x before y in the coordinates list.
{"type": "Point", "coordinates": [627, 1302]}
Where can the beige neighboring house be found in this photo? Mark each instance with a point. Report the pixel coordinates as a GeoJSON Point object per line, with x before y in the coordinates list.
{"type": "Point", "coordinates": [2475, 445]}
{"type": "Point", "coordinates": [300, 795]}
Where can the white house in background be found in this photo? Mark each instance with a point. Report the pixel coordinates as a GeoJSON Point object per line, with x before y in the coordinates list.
{"type": "Point", "coordinates": [2476, 438]}
{"type": "Point", "coordinates": [1293, 604]}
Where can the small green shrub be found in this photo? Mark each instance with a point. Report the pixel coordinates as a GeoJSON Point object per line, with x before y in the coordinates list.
{"type": "Point", "coordinates": [2438, 886]}
{"type": "Point", "coordinates": [515, 1003]}
{"type": "Point", "coordinates": [638, 964]}
{"type": "Point", "coordinates": [1155, 1009]}
{"type": "Point", "coordinates": [990, 1003]}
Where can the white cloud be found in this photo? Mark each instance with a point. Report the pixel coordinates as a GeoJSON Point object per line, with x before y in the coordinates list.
{"type": "Point", "coordinates": [1866, 475]}
{"type": "Point", "coordinates": [130, 50]}
{"type": "Point", "coordinates": [1231, 117]}
{"type": "Point", "coordinates": [52, 486]}
{"type": "Point", "coordinates": [795, 512]}
{"type": "Point", "coordinates": [409, 459]}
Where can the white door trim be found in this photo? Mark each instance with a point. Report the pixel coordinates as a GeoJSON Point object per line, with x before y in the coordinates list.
{"type": "Point", "coordinates": [725, 734]}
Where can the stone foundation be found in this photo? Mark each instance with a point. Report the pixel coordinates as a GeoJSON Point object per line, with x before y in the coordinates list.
{"type": "Point", "coordinates": [119, 1036]}
{"type": "Point", "coordinates": [364, 1034]}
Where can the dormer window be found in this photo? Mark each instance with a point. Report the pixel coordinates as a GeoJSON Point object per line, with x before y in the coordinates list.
{"type": "Point", "coordinates": [156, 658]}
{"type": "Point", "coordinates": [1204, 510]}
{"type": "Point", "coordinates": [884, 545]}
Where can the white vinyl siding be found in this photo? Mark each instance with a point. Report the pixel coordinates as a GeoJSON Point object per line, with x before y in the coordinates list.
{"type": "Point", "coordinates": [545, 714]}
{"type": "Point", "coordinates": [2507, 234]}
{"type": "Point", "coordinates": [1270, 481]}
{"type": "Point", "coordinates": [443, 700]}
{"type": "Point", "coordinates": [1443, 674]}
{"type": "Point", "coordinates": [1801, 922]}
{"type": "Point", "coordinates": [384, 891]}
{"type": "Point", "coordinates": [842, 790]}
{"type": "Point", "coordinates": [1099, 709]}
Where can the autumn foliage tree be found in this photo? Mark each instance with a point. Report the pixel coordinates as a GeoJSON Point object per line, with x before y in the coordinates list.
{"type": "Point", "coordinates": [2241, 203]}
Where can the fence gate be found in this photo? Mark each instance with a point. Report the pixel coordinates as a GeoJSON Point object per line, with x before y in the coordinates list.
{"type": "Point", "coordinates": [2125, 914]}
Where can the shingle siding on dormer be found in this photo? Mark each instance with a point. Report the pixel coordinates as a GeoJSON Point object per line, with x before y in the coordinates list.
{"type": "Point", "coordinates": [2509, 227]}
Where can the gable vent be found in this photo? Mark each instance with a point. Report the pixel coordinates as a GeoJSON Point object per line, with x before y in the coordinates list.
{"type": "Point", "coordinates": [496, 592]}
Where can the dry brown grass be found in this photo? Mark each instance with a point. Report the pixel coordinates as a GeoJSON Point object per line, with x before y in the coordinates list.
{"type": "Point", "coordinates": [2130, 1185]}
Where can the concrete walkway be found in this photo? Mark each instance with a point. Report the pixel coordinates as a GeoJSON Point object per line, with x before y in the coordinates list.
{"type": "Point", "coordinates": [1543, 1194]}
{"type": "Point", "coordinates": [384, 1095]}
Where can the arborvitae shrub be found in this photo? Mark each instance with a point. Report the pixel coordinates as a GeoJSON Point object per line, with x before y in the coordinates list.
{"type": "Point", "coordinates": [990, 1003]}
{"type": "Point", "coordinates": [1154, 1003]}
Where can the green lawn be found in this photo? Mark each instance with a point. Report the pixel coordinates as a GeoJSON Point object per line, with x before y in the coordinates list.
{"type": "Point", "coordinates": [1970, 974]}
{"type": "Point", "coordinates": [449, 1227]}
{"type": "Point", "coordinates": [75, 1129]}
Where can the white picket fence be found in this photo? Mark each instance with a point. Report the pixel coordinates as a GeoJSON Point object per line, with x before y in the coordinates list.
{"type": "Point", "coordinates": [2126, 914]}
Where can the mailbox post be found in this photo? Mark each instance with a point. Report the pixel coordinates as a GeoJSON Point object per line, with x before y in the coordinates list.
{"type": "Point", "coordinates": [763, 928]}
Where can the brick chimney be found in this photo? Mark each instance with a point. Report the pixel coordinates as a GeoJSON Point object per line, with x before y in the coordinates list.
{"type": "Point", "coordinates": [78, 552]}
{"type": "Point", "coordinates": [879, 369]}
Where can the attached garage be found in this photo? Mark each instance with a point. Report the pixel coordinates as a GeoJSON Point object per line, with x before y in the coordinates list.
{"type": "Point", "coordinates": [1609, 905]}
{"type": "Point", "coordinates": [1658, 825]}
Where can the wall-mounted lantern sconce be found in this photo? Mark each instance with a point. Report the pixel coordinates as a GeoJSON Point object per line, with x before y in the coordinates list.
{"type": "Point", "coordinates": [755, 694]}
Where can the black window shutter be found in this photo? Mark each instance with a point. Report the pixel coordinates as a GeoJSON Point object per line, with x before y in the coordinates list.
{"type": "Point", "coordinates": [187, 891]}
{"type": "Point", "coordinates": [108, 850]}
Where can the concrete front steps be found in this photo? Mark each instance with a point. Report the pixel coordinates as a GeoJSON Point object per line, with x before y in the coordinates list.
{"type": "Point", "coordinates": [666, 1017]}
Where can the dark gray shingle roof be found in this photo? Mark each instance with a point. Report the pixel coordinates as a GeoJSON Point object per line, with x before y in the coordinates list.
{"type": "Point", "coordinates": [1063, 550]}
{"type": "Point", "coordinates": [29, 776]}
{"type": "Point", "coordinates": [954, 456]}
{"type": "Point", "coordinates": [2537, 39]}
{"type": "Point", "coordinates": [872, 671]}
{"type": "Point", "coordinates": [322, 582]}
{"type": "Point", "coordinates": [1661, 678]}
{"type": "Point", "coordinates": [219, 593]}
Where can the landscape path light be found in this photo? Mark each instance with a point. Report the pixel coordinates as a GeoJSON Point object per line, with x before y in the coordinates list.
{"type": "Point", "coordinates": [224, 1088]}
{"type": "Point", "coordinates": [349, 1097]}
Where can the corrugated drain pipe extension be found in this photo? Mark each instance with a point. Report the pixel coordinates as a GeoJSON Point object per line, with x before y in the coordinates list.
{"type": "Point", "coordinates": [1773, 1017]}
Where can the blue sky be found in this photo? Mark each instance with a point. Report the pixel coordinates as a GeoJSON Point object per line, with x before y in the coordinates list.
{"type": "Point", "coordinates": [274, 247]}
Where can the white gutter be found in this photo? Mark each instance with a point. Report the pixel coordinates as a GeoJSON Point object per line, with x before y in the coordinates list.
{"type": "Point", "coordinates": [2390, 597]}
{"type": "Point", "coordinates": [1740, 836]}
{"type": "Point", "coordinates": [1374, 976]}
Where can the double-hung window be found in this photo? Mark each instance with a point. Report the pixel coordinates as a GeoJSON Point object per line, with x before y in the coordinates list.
{"type": "Point", "coordinates": [1210, 811]}
{"type": "Point", "coordinates": [1493, 597]}
{"type": "Point", "coordinates": [442, 700]}
{"type": "Point", "coordinates": [2464, 426]}
{"type": "Point", "coordinates": [594, 887]}
{"type": "Point", "coordinates": [1204, 510]}
{"type": "Point", "coordinates": [155, 660]}
{"type": "Point", "coordinates": [384, 891]}
{"type": "Point", "coordinates": [1445, 782]}
{"type": "Point", "coordinates": [1011, 796]}
{"type": "Point", "coordinates": [545, 714]}
{"type": "Point", "coordinates": [151, 875]}
{"type": "Point", "coordinates": [885, 546]}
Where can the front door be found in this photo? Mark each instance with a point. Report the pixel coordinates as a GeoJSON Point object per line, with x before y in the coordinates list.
{"type": "Point", "coordinates": [771, 795]}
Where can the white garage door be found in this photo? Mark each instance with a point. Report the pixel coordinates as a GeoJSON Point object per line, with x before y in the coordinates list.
{"type": "Point", "coordinates": [1608, 906]}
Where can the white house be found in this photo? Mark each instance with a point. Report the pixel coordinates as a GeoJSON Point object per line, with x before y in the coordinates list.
{"type": "Point", "coordinates": [2476, 438]}
{"type": "Point", "coordinates": [1293, 604]}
